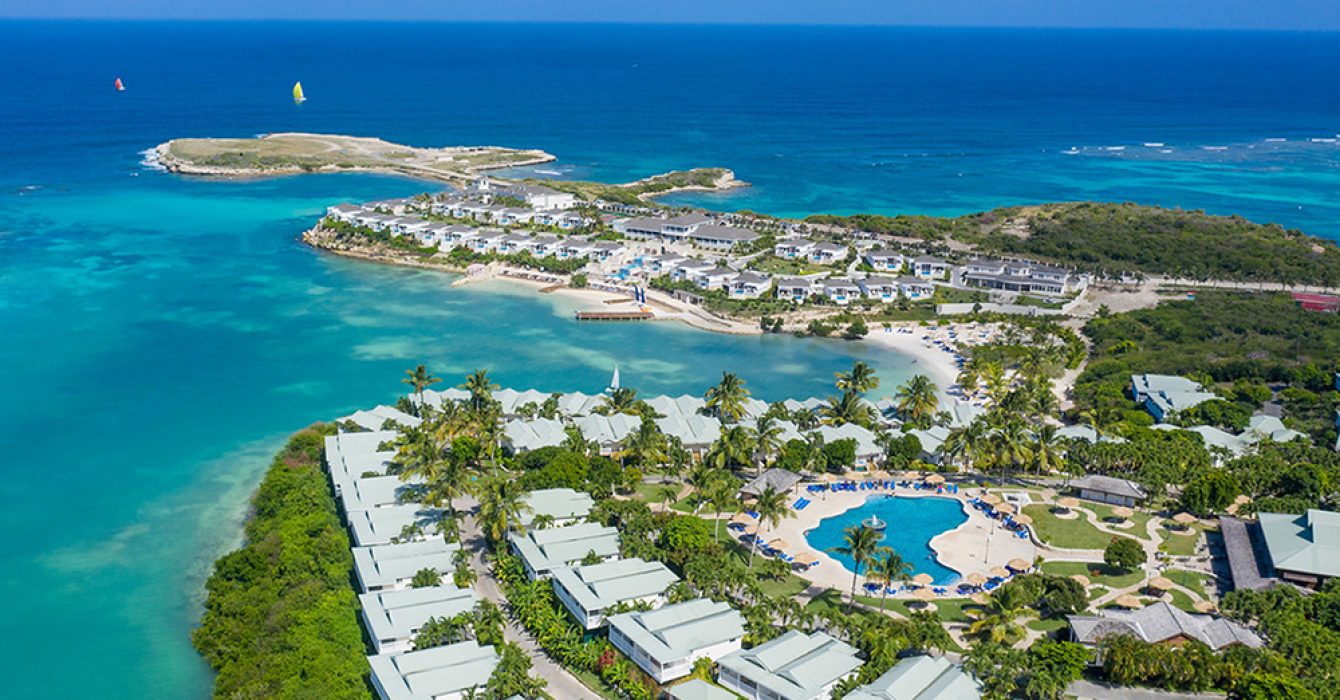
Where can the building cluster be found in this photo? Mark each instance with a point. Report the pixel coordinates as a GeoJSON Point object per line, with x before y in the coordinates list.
{"type": "Point", "coordinates": [1165, 396]}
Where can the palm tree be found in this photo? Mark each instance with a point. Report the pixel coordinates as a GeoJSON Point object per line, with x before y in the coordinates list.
{"type": "Point", "coordinates": [721, 494]}
{"type": "Point", "coordinates": [646, 445]}
{"type": "Point", "coordinates": [667, 492]}
{"type": "Point", "coordinates": [860, 379]}
{"type": "Point", "coordinates": [1047, 451]}
{"type": "Point", "coordinates": [993, 379]}
{"type": "Point", "coordinates": [999, 620]}
{"type": "Point", "coordinates": [917, 400]}
{"type": "Point", "coordinates": [888, 568]}
{"type": "Point", "coordinates": [860, 543]}
{"type": "Point", "coordinates": [767, 439]}
{"type": "Point", "coordinates": [419, 378]}
{"type": "Point", "coordinates": [701, 476]}
{"type": "Point", "coordinates": [480, 387]}
{"type": "Point", "coordinates": [502, 501]}
{"type": "Point", "coordinates": [734, 447]}
{"type": "Point", "coordinates": [1010, 447]}
{"type": "Point", "coordinates": [848, 407]}
{"type": "Point", "coordinates": [772, 508]}
{"type": "Point", "coordinates": [621, 400]}
{"type": "Point", "coordinates": [727, 399]}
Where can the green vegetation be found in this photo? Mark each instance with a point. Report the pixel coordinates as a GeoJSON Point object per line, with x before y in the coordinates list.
{"type": "Point", "coordinates": [633, 192]}
{"type": "Point", "coordinates": [928, 228]}
{"type": "Point", "coordinates": [1130, 238]}
{"type": "Point", "coordinates": [1077, 533]}
{"type": "Point", "coordinates": [281, 618]}
{"type": "Point", "coordinates": [1235, 340]}
{"type": "Point", "coordinates": [1123, 553]}
{"type": "Point", "coordinates": [1098, 574]}
{"type": "Point", "coordinates": [1305, 630]}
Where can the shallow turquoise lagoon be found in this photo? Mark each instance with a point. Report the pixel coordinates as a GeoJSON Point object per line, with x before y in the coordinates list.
{"type": "Point", "coordinates": [912, 524]}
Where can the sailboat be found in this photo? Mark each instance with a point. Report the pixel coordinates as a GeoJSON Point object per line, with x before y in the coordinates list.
{"type": "Point", "coordinates": [614, 381]}
{"type": "Point", "coordinates": [297, 93]}
{"type": "Point", "coordinates": [119, 85]}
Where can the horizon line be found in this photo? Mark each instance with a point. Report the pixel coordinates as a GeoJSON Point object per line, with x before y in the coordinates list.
{"type": "Point", "coordinates": [675, 23]}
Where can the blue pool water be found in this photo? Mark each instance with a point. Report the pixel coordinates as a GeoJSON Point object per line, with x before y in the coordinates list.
{"type": "Point", "coordinates": [913, 522]}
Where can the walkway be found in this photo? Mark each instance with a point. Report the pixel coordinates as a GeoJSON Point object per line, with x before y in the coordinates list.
{"type": "Point", "coordinates": [1101, 691]}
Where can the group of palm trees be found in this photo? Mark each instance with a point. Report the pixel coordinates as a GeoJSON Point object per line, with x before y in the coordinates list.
{"type": "Point", "coordinates": [886, 565]}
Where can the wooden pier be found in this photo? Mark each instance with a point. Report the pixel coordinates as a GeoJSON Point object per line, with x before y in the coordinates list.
{"type": "Point", "coordinates": [628, 315]}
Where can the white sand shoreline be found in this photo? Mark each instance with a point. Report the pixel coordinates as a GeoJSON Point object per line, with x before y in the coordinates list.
{"type": "Point", "coordinates": [928, 359]}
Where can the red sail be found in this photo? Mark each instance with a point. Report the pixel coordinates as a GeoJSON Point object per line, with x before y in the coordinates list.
{"type": "Point", "coordinates": [119, 86]}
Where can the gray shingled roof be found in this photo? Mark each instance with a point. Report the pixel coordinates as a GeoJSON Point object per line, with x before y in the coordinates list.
{"type": "Point", "coordinates": [1161, 622]}
{"type": "Point", "coordinates": [1109, 484]}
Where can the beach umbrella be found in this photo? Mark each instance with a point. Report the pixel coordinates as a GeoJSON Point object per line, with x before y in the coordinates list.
{"type": "Point", "coordinates": [1023, 520]}
{"type": "Point", "coordinates": [991, 499]}
{"type": "Point", "coordinates": [979, 598]}
{"type": "Point", "coordinates": [1006, 508]}
{"type": "Point", "coordinates": [975, 579]}
{"type": "Point", "coordinates": [1162, 583]}
{"type": "Point", "coordinates": [999, 572]}
{"type": "Point", "coordinates": [779, 543]}
{"type": "Point", "coordinates": [1128, 601]}
{"type": "Point", "coordinates": [1204, 606]}
{"type": "Point", "coordinates": [742, 519]}
{"type": "Point", "coordinates": [1067, 502]}
{"type": "Point", "coordinates": [1122, 512]}
{"type": "Point", "coordinates": [922, 579]}
{"type": "Point", "coordinates": [1019, 564]}
{"type": "Point", "coordinates": [751, 530]}
{"type": "Point", "coordinates": [879, 474]}
{"type": "Point", "coordinates": [1232, 509]}
{"type": "Point", "coordinates": [1184, 518]}
{"type": "Point", "coordinates": [807, 559]}
{"type": "Point", "coordinates": [924, 595]}
{"type": "Point", "coordinates": [828, 477]}
{"type": "Point", "coordinates": [1081, 579]}
{"type": "Point", "coordinates": [935, 479]}
{"type": "Point", "coordinates": [1242, 499]}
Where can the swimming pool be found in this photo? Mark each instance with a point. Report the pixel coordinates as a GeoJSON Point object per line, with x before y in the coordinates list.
{"type": "Point", "coordinates": [913, 523]}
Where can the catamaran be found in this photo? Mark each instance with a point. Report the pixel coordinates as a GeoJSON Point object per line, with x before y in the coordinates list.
{"type": "Point", "coordinates": [297, 93]}
{"type": "Point", "coordinates": [119, 85]}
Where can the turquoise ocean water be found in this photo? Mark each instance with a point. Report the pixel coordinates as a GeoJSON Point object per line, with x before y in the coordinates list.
{"type": "Point", "coordinates": [160, 336]}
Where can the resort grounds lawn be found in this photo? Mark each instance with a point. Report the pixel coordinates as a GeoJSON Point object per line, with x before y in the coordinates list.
{"type": "Point", "coordinates": [1140, 528]}
{"type": "Point", "coordinates": [1047, 625]}
{"type": "Point", "coordinates": [1182, 601]}
{"type": "Point", "coordinates": [1178, 544]}
{"type": "Point", "coordinates": [651, 493]}
{"type": "Point", "coordinates": [1105, 576]}
{"type": "Point", "coordinates": [1193, 580]}
{"type": "Point", "coordinates": [788, 587]}
{"type": "Point", "coordinates": [1078, 533]}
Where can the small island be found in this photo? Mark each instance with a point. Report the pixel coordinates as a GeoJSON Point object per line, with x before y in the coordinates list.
{"type": "Point", "coordinates": [294, 153]}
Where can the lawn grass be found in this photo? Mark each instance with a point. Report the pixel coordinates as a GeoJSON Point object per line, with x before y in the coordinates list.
{"type": "Point", "coordinates": [1182, 601]}
{"type": "Point", "coordinates": [1193, 580]}
{"type": "Point", "coordinates": [1180, 545]}
{"type": "Point", "coordinates": [1105, 576]}
{"type": "Point", "coordinates": [1140, 527]}
{"type": "Point", "coordinates": [651, 493]}
{"type": "Point", "coordinates": [1048, 624]}
{"type": "Point", "coordinates": [1066, 534]}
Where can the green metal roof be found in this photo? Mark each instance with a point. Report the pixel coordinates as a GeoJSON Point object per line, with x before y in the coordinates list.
{"type": "Point", "coordinates": [1308, 543]}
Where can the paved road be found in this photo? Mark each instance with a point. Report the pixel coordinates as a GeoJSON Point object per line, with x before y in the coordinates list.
{"type": "Point", "coordinates": [561, 684]}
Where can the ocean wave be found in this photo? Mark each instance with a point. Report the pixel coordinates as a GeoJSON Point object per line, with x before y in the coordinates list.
{"type": "Point", "coordinates": [149, 160]}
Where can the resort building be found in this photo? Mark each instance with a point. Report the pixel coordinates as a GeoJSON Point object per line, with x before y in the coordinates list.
{"type": "Point", "coordinates": [439, 673]}
{"type": "Point", "coordinates": [666, 642]}
{"type": "Point", "coordinates": [884, 260]}
{"type": "Point", "coordinates": [349, 456]}
{"type": "Point", "coordinates": [794, 666]}
{"type": "Point", "coordinates": [527, 435]}
{"type": "Point", "coordinates": [1161, 623]}
{"type": "Point", "coordinates": [1108, 489]}
{"type": "Point", "coordinates": [694, 228]}
{"type": "Point", "coordinates": [929, 268]}
{"type": "Point", "coordinates": [796, 289]}
{"type": "Point", "coordinates": [914, 288]}
{"type": "Point", "coordinates": [715, 278]}
{"type": "Point", "coordinates": [721, 237]}
{"type": "Point", "coordinates": [792, 248]}
{"type": "Point", "coordinates": [775, 478]}
{"type": "Point", "coordinates": [371, 492]}
{"type": "Point", "coordinates": [589, 591]}
{"type": "Point", "coordinates": [1163, 395]}
{"type": "Point", "coordinates": [697, 689]}
{"type": "Point", "coordinates": [345, 212]}
{"type": "Point", "coordinates": [394, 618]}
{"type": "Point", "coordinates": [879, 288]}
{"type": "Point", "coordinates": [839, 290]}
{"type": "Point", "coordinates": [381, 418]}
{"type": "Point", "coordinates": [1019, 276]}
{"type": "Point", "coordinates": [827, 253]}
{"type": "Point", "coordinates": [386, 567]}
{"type": "Point", "coordinates": [562, 506]}
{"type": "Point", "coordinates": [607, 431]}
{"type": "Point", "coordinates": [542, 551]}
{"type": "Point", "coordinates": [749, 285]}
{"type": "Point", "coordinates": [921, 678]}
{"type": "Point", "coordinates": [400, 523]}
{"type": "Point", "coordinates": [868, 451]}
{"type": "Point", "coordinates": [1300, 549]}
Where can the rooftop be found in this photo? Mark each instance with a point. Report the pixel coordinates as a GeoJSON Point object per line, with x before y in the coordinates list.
{"type": "Point", "coordinates": [794, 666]}
{"type": "Point", "coordinates": [546, 550]}
{"type": "Point", "coordinates": [600, 586]}
{"type": "Point", "coordinates": [776, 478]}
{"type": "Point", "coordinates": [385, 564]}
{"type": "Point", "coordinates": [399, 614]}
{"type": "Point", "coordinates": [676, 631]}
{"type": "Point", "coordinates": [1162, 622]}
{"type": "Point", "coordinates": [559, 504]}
{"type": "Point", "coordinates": [1308, 543]}
{"type": "Point", "coordinates": [431, 673]}
{"type": "Point", "coordinates": [1108, 484]}
{"type": "Point", "coordinates": [920, 678]}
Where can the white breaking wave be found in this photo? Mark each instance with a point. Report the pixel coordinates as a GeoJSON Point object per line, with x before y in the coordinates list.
{"type": "Point", "coordinates": [150, 159]}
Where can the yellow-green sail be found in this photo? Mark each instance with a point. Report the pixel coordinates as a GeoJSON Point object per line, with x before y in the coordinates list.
{"type": "Point", "coordinates": [297, 92]}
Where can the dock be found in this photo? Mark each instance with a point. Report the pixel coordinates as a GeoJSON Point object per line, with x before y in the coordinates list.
{"type": "Point", "coordinates": [629, 315]}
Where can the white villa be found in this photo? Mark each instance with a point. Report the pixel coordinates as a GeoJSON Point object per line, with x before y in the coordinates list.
{"type": "Point", "coordinates": [393, 618]}
{"type": "Point", "coordinates": [399, 523]}
{"type": "Point", "coordinates": [1163, 395]}
{"type": "Point", "coordinates": [794, 666]}
{"type": "Point", "coordinates": [921, 678]}
{"type": "Point", "coordinates": [440, 673]}
{"type": "Point", "coordinates": [885, 260]}
{"type": "Point", "coordinates": [392, 566]}
{"type": "Point", "coordinates": [666, 642]}
{"type": "Point", "coordinates": [366, 493]}
{"type": "Point", "coordinates": [929, 268]}
{"type": "Point", "coordinates": [588, 591]}
{"type": "Point", "coordinates": [563, 506]}
{"type": "Point", "coordinates": [542, 551]}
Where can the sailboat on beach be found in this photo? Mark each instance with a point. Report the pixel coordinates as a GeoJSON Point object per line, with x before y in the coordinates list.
{"type": "Point", "coordinates": [119, 85]}
{"type": "Point", "coordinates": [298, 97]}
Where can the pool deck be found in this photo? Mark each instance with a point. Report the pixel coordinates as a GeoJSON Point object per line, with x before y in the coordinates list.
{"type": "Point", "coordinates": [962, 549]}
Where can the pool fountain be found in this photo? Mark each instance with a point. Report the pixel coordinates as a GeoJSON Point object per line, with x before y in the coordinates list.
{"type": "Point", "coordinates": [874, 523]}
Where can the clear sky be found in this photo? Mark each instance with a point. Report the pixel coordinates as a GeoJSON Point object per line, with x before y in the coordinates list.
{"type": "Point", "coordinates": [1186, 14]}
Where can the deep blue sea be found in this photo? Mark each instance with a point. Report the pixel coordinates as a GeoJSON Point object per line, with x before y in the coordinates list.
{"type": "Point", "coordinates": [159, 336]}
